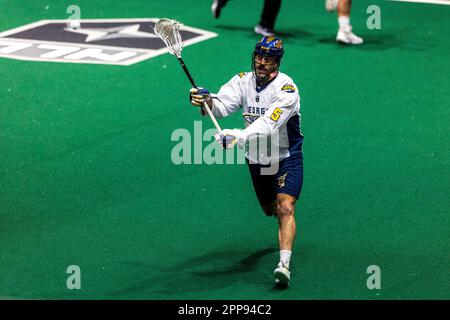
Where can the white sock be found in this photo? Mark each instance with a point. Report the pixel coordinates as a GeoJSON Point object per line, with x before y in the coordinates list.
{"type": "Point", "coordinates": [285, 257]}
{"type": "Point", "coordinates": [343, 21]}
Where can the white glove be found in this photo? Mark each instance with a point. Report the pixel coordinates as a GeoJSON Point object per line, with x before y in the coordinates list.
{"type": "Point", "coordinates": [230, 137]}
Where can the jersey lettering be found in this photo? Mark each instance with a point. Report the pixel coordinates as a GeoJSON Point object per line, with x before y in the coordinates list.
{"type": "Point", "coordinates": [256, 110]}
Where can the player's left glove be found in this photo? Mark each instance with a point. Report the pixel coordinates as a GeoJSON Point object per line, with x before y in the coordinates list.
{"type": "Point", "coordinates": [230, 137]}
{"type": "Point", "coordinates": [198, 96]}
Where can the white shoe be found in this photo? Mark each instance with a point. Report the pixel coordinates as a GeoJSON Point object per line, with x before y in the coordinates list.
{"type": "Point", "coordinates": [265, 32]}
{"type": "Point", "coordinates": [346, 36]}
{"type": "Point", "coordinates": [331, 5]}
{"type": "Point", "coordinates": [282, 274]}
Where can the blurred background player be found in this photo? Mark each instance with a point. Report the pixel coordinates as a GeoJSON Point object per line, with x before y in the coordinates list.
{"type": "Point", "coordinates": [269, 14]}
{"type": "Point", "coordinates": [270, 104]}
{"type": "Point", "coordinates": [343, 8]}
{"type": "Point", "coordinates": [216, 7]}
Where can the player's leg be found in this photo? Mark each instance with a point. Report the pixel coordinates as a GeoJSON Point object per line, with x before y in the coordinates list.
{"type": "Point", "coordinates": [268, 16]}
{"type": "Point", "coordinates": [331, 5]}
{"type": "Point", "coordinates": [286, 236]}
{"type": "Point", "coordinates": [345, 34]}
{"type": "Point", "coordinates": [270, 209]}
{"type": "Point", "coordinates": [216, 7]}
{"type": "Point", "coordinates": [265, 192]}
{"type": "Point", "coordinates": [287, 229]}
{"type": "Point", "coordinates": [288, 184]}
{"type": "Point", "coordinates": [344, 7]}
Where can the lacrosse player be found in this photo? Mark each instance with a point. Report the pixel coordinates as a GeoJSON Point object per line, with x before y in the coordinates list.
{"type": "Point", "coordinates": [270, 104]}
{"type": "Point", "coordinates": [343, 8]}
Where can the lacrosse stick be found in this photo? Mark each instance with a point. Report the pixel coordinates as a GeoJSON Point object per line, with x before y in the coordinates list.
{"type": "Point", "coordinates": [169, 31]}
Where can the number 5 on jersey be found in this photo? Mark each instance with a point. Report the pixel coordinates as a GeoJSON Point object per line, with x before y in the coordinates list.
{"type": "Point", "coordinates": [276, 114]}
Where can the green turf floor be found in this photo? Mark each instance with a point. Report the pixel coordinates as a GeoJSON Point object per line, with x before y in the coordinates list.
{"type": "Point", "coordinates": [86, 176]}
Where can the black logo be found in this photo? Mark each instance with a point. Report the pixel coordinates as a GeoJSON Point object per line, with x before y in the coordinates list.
{"type": "Point", "coordinates": [101, 41]}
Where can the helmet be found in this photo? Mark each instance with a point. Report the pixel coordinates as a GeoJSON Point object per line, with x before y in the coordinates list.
{"type": "Point", "coordinates": [268, 47]}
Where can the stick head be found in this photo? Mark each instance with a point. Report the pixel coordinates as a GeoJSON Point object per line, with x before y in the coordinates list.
{"type": "Point", "coordinates": [169, 31]}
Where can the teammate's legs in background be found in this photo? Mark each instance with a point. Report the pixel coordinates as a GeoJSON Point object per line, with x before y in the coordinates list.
{"type": "Point", "coordinates": [344, 8]}
{"type": "Point", "coordinates": [268, 17]}
{"type": "Point", "coordinates": [345, 34]}
{"type": "Point", "coordinates": [216, 7]}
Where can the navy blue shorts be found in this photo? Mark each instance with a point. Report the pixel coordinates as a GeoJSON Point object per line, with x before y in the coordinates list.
{"type": "Point", "coordinates": [288, 179]}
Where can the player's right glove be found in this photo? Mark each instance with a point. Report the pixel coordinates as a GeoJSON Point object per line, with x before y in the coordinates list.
{"type": "Point", "coordinates": [230, 137]}
{"type": "Point", "coordinates": [200, 95]}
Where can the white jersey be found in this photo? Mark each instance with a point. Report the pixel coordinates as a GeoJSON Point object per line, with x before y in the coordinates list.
{"type": "Point", "coordinates": [274, 107]}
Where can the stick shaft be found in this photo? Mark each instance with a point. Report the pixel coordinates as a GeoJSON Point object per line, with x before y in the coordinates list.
{"type": "Point", "coordinates": [205, 105]}
{"type": "Point", "coordinates": [186, 71]}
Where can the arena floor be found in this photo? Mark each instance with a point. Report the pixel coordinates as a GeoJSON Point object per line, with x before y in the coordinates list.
{"type": "Point", "coordinates": [87, 176]}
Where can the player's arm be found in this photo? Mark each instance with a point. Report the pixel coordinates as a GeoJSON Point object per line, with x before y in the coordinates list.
{"type": "Point", "coordinates": [281, 110]}
{"type": "Point", "coordinates": [225, 102]}
{"type": "Point", "coordinates": [275, 117]}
